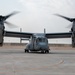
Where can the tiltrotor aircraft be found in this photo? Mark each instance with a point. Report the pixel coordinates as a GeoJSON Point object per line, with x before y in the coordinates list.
{"type": "Point", "coordinates": [38, 41]}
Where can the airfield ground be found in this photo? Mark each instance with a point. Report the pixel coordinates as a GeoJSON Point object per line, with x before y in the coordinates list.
{"type": "Point", "coordinates": [51, 46]}
{"type": "Point", "coordinates": [60, 61]}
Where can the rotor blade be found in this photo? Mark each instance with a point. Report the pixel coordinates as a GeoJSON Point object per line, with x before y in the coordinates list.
{"type": "Point", "coordinates": [69, 19]}
{"type": "Point", "coordinates": [11, 14]}
{"type": "Point", "coordinates": [10, 24]}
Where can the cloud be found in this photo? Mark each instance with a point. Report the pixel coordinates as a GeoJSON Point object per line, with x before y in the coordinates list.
{"type": "Point", "coordinates": [48, 5]}
{"type": "Point", "coordinates": [38, 13]}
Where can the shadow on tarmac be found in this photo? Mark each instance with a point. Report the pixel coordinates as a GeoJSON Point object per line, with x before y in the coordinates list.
{"type": "Point", "coordinates": [22, 52]}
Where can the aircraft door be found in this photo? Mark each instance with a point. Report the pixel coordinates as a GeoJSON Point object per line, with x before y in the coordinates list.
{"type": "Point", "coordinates": [35, 44]}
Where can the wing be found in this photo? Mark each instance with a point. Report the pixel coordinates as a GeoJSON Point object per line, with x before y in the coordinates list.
{"type": "Point", "coordinates": [17, 34]}
{"type": "Point", "coordinates": [59, 35]}
{"type": "Point", "coordinates": [24, 38]}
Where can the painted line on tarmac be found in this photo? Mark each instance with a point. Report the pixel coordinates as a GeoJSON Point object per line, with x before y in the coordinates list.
{"type": "Point", "coordinates": [57, 64]}
{"type": "Point", "coordinates": [40, 68]}
{"type": "Point", "coordinates": [45, 67]}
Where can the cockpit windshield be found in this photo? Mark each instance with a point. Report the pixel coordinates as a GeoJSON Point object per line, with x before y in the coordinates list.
{"type": "Point", "coordinates": [41, 40]}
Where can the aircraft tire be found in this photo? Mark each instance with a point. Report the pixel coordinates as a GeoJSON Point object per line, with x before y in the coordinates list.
{"type": "Point", "coordinates": [42, 52]}
{"type": "Point", "coordinates": [47, 51]}
{"type": "Point", "coordinates": [26, 51]}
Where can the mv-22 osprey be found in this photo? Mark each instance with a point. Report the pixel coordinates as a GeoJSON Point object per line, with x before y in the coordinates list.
{"type": "Point", "coordinates": [38, 41]}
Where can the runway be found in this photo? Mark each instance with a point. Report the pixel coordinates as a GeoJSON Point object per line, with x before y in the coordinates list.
{"type": "Point", "coordinates": [57, 62]}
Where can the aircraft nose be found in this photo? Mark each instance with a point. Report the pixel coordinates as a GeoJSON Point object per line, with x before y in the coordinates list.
{"type": "Point", "coordinates": [42, 45]}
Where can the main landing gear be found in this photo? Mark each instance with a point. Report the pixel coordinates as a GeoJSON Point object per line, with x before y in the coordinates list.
{"type": "Point", "coordinates": [42, 51]}
{"type": "Point", "coordinates": [45, 51]}
{"type": "Point", "coordinates": [26, 51]}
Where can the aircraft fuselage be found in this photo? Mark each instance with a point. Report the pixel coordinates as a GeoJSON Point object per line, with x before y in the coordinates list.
{"type": "Point", "coordinates": [38, 42]}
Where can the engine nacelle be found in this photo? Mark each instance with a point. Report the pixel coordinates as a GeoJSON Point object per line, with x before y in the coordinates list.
{"type": "Point", "coordinates": [1, 34]}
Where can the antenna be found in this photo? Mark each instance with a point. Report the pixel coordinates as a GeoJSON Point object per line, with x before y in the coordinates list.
{"type": "Point", "coordinates": [20, 38]}
{"type": "Point", "coordinates": [44, 31]}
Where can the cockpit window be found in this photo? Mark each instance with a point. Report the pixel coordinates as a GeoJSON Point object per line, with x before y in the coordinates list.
{"type": "Point", "coordinates": [41, 40]}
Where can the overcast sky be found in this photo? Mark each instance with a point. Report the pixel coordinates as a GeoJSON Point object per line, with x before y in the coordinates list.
{"type": "Point", "coordinates": [35, 15]}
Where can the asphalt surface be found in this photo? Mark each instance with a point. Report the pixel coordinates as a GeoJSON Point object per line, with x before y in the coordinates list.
{"type": "Point", "coordinates": [57, 62]}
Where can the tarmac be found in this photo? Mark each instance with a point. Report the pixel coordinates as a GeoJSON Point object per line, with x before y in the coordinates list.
{"type": "Point", "coordinates": [13, 61]}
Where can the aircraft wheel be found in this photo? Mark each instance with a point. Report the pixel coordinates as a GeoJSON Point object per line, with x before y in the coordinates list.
{"type": "Point", "coordinates": [26, 51]}
{"type": "Point", "coordinates": [42, 52]}
{"type": "Point", "coordinates": [47, 51]}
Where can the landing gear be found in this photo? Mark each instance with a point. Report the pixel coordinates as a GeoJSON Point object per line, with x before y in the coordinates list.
{"type": "Point", "coordinates": [42, 52]}
{"type": "Point", "coordinates": [26, 51]}
{"type": "Point", "coordinates": [45, 51]}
